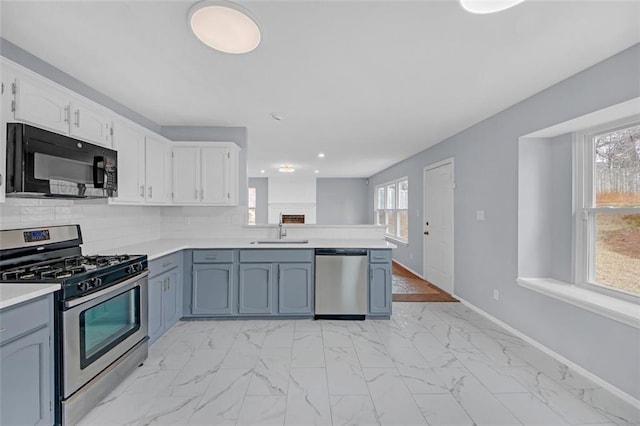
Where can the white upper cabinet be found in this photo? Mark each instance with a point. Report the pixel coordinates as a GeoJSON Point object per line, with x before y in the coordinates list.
{"type": "Point", "coordinates": [90, 123]}
{"type": "Point", "coordinates": [144, 165]}
{"type": "Point", "coordinates": [205, 173]}
{"type": "Point", "coordinates": [128, 140]}
{"type": "Point", "coordinates": [43, 103]}
{"type": "Point", "coordinates": [158, 170]}
{"type": "Point", "coordinates": [6, 100]}
{"type": "Point", "coordinates": [186, 175]}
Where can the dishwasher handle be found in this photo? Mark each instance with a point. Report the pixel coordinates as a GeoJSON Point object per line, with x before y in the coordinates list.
{"type": "Point", "coordinates": [340, 252]}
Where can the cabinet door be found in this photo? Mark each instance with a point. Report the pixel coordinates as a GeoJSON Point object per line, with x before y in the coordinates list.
{"type": "Point", "coordinates": [156, 290]}
{"type": "Point", "coordinates": [212, 292]}
{"type": "Point", "coordinates": [380, 289]}
{"type": "Point", "coordinates": [256, 288]}
{"type": "Point", "coordinates": [42, 105]}
{"type": "Point", "coordinates": [215, 175]}
{"type": "Point", "coordinates": [129, 142]}
{"type": "Point", "coordinates": [295, 288]}
{"type": "Point", "coordinates": [90, 123]}
{"type": "Point", "coordinates": [158, 171]}
{"type": "Point", "coordinates": [186, 175]}
{"type": "Point", "coordinates": [25, 380]}
{"type": "Point", "coordinates": [171, 303]}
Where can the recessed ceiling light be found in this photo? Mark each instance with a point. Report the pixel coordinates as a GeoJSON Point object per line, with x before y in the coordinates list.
{"type": "Point", "coordinates": [488, 6]}
{"type": "Point", "coordinates": [317, 171]}
{"type": "Point", "coordinates": [224, 26]}
{"type": "Point", "coordinates": [321, 155]}
{"type": "Point", "coordinates": [286, 168]}
{"type": "Point", "coordinates": [261, 171]}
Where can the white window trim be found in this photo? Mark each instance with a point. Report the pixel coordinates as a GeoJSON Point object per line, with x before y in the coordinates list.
{"type": "Point", "coordinates": [394, 237]}
{"type": "Point", "coordinates": [583, 256]}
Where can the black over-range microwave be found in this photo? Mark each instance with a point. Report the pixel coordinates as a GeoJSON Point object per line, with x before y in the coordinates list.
{"type": "Point", "coordinates": [45, 164]}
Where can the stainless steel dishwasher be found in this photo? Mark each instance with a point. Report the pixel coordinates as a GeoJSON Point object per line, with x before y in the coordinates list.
{"type": "Point", "coordinates": [341, 284]}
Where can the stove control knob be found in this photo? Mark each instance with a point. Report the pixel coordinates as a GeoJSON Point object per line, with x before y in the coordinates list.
{"type": "Point", "coordinates": [83, 286]}
{"type": "Point", "coordinates": [136, 267]}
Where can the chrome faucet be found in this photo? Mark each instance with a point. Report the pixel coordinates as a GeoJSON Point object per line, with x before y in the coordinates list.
{"type": "Point", "coordinates": [282, 232]}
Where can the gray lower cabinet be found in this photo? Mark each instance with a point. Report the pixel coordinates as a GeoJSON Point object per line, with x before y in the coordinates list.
{"type": "Point", "coordinates": [256, 289]}
{"type": "Point", "coordinates": [295, 288]}
{"type": "Point", "coordinates": [213, 288]}
{"type": "Point", "coordinates": [165, 294]}
{"type": "Point", "coordinates": [380, 282]}
{"type": "Point", "coordinates": [26, 363]}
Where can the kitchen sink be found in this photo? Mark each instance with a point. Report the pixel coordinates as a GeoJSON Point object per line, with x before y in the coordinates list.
{"type": "Point", "coordinates": [283, 241]}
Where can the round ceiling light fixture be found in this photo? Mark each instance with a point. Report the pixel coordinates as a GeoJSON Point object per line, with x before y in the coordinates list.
{"type": "Point", "coordinates": [488, 6]}
{"type": "Point", "coordinates": [286, 168]}
{"type": "Point", "coordinates": [224, 26]}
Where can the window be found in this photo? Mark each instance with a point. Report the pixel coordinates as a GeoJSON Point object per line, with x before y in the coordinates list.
{"type": "Point", "coordinates": [391, 208]}
{"type": "Point", "coordinates": [251, 206]}
{"type": "Point", "coordinates": [607, 196]}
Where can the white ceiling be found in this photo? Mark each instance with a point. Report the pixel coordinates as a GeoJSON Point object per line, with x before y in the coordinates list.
{"type": "Point", "coordinates": [368, 83]}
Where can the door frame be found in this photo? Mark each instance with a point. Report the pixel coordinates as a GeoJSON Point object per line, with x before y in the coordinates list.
{"type": "Point", "coordinates": [432, 166]}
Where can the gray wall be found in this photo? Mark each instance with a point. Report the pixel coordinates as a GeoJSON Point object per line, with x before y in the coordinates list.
{"type": "Point", "coordinates": [342, 201]}
{"type": "Point", "coordinates": [262, 198]}
{"type": "Point", "coordinates": [562, 219]}
{"type": "Point", "coordinates": [486, 176]}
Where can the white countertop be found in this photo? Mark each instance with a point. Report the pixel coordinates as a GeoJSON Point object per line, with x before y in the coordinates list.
{"type": "Point", "coordinates": [158, 248]}
{"type": "Point", "coordinates": [12, 294]}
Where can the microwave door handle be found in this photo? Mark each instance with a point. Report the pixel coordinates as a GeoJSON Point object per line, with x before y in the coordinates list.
{"type": "Point", "coordinates": [98, 171]}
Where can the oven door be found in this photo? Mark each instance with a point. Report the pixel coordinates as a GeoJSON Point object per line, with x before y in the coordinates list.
{"type": "Point", "coordinates": [99, 328]}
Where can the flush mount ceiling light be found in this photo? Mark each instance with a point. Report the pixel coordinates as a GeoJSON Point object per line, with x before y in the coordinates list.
{"type": "Point", "coordinates": [488, 6]}
{"type": "Point", "coordinates": [321, 155]}
{"type": "Point", "coordinates": [286, 168]}
{"type": "Point", "coordinates": [224, 26]}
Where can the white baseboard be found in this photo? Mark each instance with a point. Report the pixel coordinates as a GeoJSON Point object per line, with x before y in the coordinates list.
{"type": "Point", "coordinates": [408, 269]}
{"type": "Point", "coordinates": [589, 375]}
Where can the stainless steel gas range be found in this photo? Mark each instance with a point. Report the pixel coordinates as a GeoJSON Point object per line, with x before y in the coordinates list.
{"type": "Point", "coordinates": [101, 314]}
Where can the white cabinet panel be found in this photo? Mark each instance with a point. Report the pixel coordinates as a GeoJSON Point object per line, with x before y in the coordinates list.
{"type": "Point", "coordinates": [186, 175]}
{"type": "Point", "coordinates": [129, 142]}
{"type": "Point", "coordinates": [158, 170]}
{"type": "Point", "coordinates": [206, 174]}
{"type": "Point", "coordinates": [90, 123]}
{"type": "Point", "coordinates": [41, 104]}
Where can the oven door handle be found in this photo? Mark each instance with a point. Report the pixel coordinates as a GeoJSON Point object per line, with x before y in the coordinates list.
{"type": "Point", "coordinates": [111, 289]}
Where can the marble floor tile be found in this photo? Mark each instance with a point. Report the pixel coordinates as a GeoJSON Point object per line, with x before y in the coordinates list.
{"type": "Point", "coordinates": [431, 363]}
{"type": "Point", "coordinates": [308, 398]}
{"type": "Point", "coordinates": [443, 409]}
{"type": "Point", "coordinates": [391, 398]}
{"type": "Point", "coordinates": [263, 410]}
{"type": "Point", "coordinates": [221, 403]}
{"type": "Point", "coordinates": [529, 410]}
{"type": "Point", "coordinates": [344, 373]}
{"type": "Point", "coordinates": [353, 410]}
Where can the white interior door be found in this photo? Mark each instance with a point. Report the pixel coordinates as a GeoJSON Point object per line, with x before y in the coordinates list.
{"type": "Point", "coordinates": [438, 225]}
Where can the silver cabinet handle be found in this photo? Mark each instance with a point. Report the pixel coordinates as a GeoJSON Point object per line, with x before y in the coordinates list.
{"type": "Point", "coordinates": [1, 180]}
{"type": "Point", "coordinates": [67, 113]}
{"type": "Point", "coordinates": [142, 191]}
{"type": "Point", "coordinates": [150, 192]}
{"type": "Point", "coordinates": [164, 265]}
{"type": "Point", "coordinates": [77, 114]}
{"type": "Point", "coordinates": [202, 194]}
{"type": "Point", "coordinates": [196, 194]}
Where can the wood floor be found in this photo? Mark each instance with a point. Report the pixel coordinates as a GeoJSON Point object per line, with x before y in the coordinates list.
{"type": "Point", "coordinates": [408, 287]}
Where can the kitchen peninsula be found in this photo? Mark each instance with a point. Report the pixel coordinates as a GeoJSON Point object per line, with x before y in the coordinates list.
{"type": "Point", "coordinates": [249, 278]}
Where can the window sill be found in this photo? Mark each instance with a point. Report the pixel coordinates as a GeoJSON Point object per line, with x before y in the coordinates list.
{"type": "Point", "coordinates": [611, 307]}
{"type": "Point", "coordinates": [397, 241]}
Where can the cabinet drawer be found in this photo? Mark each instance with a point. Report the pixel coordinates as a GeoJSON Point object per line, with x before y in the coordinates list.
{"type": "Point", "coordinates": [275, 255]}
{"type": "Point", "coordinates": [213, 256]}
{"type": "Point", "coordinates": [165, 263]}
{"type": "Point", "coordinates": [23, 318]}
{"type": "Point", "coordinates": [379, 256]}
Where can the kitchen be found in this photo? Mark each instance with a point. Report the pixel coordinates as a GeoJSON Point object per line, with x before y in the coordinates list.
{"type": "Point", "coordinates": [484, 252]}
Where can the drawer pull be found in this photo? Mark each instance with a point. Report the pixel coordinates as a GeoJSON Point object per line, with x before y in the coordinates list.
{"type": "Point", "coordinates": [211, 257]}
{"type": "Point", "coordinates": [164, 265]}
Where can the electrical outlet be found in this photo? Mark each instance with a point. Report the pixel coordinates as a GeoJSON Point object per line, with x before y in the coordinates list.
{"type": "Point", "coordinates": [479, 215]}
{"type": "Point", "coordinates": [496, 294]}
{"type": "Point", "coordinates": [187, 220]}
{"type": "Point", "coordinates": [411, 256]}
{"type": "Point", "coordinates": [235, 219]}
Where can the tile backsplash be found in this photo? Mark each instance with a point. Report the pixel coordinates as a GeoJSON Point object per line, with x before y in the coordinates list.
{"type": "Point", "coordinates": [106, 226]}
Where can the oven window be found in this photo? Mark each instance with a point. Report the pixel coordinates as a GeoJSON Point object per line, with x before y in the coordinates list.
{"type": "Point", "coordinates": [105, 325]}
